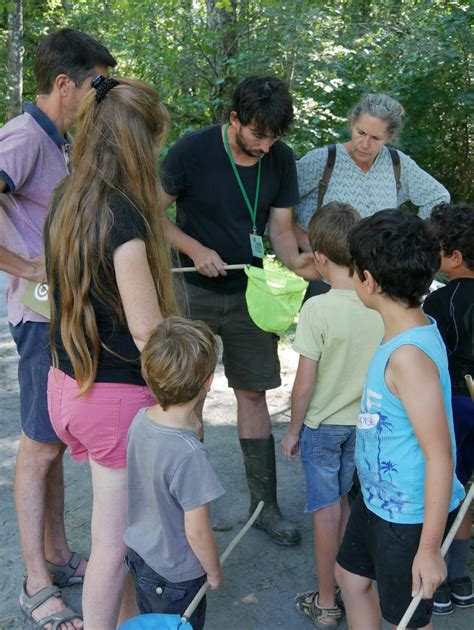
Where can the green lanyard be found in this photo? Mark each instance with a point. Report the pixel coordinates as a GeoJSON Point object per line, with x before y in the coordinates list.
{"type": "Point", "coordinates": [252, 211]}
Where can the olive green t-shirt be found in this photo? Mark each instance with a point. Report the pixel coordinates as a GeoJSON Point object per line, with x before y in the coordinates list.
{"type": "Point", "coordinates": [341, 334]}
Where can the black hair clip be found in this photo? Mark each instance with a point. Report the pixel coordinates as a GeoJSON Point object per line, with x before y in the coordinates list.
{"type": "Point", "coordinates": [102, 86]}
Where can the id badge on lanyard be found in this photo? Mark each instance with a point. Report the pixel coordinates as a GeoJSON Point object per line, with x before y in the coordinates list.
{"type": "Point", "coordinates": [256, 241]}
{"type": "Point", "coordinates": [256, 244]}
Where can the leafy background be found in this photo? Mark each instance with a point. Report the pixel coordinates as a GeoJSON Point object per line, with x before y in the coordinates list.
{"type": "Point", "coordinates": [196, 51]}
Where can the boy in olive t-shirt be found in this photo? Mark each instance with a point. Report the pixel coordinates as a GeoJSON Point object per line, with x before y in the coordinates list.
{"type": "Point", "coordinates": [336, 337]}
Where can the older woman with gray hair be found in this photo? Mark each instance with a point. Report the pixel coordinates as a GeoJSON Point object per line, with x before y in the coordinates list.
{"type": "Point", "coordinates": [364, 172]}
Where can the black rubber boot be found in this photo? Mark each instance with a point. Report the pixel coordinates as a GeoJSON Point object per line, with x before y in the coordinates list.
{"type": "Point", "coordinates": [259, 459]}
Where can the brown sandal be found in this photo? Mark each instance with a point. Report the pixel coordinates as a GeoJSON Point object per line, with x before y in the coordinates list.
{"type": "Point", "coordinates": [307, 605]}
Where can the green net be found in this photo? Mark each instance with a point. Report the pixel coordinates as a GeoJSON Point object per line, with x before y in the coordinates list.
{"type": "Point", "coordinates": [273, 298]}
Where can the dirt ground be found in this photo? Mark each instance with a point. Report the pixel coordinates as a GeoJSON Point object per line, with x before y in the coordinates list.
{"type": "Point", "coordinates": [261, 578]}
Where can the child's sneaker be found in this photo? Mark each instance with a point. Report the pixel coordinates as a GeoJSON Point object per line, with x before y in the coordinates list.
{"type": "Point", "coordinates": [442, 604]}
{"type": "Point", "coordinates": [461, 592]}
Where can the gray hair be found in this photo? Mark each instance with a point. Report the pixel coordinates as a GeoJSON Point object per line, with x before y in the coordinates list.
{"type": "Point", "coordinates": [383, 107]}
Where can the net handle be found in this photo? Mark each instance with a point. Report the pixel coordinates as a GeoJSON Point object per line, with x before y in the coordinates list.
{"type": "Point", "coordinates": [233, 544]}
{"type": "Point", "coordinates": [186, 269]}
{"type": "Point", "coordinates": [470, 385]}
{"type": "Point", "coordinates": [444, 549]}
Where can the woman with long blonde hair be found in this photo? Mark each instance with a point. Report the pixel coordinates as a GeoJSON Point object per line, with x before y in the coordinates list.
{"type": "Point", "coordinates": [110, 284]}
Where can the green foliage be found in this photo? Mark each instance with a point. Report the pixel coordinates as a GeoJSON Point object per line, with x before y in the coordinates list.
{"type": "Point", "coordinates": [196, 51]}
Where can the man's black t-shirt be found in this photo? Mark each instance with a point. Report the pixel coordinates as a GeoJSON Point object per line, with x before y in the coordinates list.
{"type": "Point", "coordinates": [452, 307]}
{"type": "Point", "coordinates": [119, 360]}
{"type": "Point", "coordinates": [210, 204]}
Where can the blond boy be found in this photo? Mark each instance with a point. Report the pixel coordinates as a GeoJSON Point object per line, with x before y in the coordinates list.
{"type": "Point", "coordinates": [171, 482]}
{"type": "Point", "coordinates": [335, 337]}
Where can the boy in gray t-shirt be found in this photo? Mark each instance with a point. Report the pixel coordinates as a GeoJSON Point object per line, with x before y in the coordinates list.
{"type": "Point", "coordinates": [172, 547]}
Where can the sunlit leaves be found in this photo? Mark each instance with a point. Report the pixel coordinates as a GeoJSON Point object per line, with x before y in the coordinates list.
{"type": "Point", "coordinates": [330, 54]}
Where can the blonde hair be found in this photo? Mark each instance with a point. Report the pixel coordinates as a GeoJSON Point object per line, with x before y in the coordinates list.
{"type": "Point", "coordinates": [177, 359]}
{"type": "Point", "coordinates": [115, 151]}
{"type": "Point", "coordinates": [328, 231]}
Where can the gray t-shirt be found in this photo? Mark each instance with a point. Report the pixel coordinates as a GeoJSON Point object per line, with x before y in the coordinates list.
{"type": "Point", "coordinates": [169, 473]}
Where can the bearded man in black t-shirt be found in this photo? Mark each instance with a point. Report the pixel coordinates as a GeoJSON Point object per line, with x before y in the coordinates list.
{"type": "Point", "coordinates": [229, 182]}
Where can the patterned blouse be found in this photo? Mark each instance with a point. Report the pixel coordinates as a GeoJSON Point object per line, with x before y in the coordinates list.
{"type": "Point", "coordinates": [367, 192]}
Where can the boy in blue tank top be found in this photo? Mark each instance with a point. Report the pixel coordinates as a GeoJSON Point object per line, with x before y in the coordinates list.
{"type": "Point", "coordinates": [405, 453]}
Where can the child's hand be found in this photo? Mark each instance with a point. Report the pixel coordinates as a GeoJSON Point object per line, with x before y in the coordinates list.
{"type": "Point", "coordinates": [215, 580]}
{"type": "Point", "coordinates": [290, 445]}
{"type": "Point", "coordinates": [428, 571]}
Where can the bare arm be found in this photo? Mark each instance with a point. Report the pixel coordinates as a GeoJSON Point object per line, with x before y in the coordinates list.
{"type": "Point", "coordinates": [21, 267]}
{"type": "Point", "coordinates": [302, 238]}
{"type": "Point", "coordinates": [301, 394]}
{"type": "Point", "coordinates": [202, 541]}
{"type": "Point", "coordinates": [283, 240]}
{"type": "Point", "coordinates": [17, 265]}
{"type": "Point", "coordinates": [414, 378]}
{"type": "Point", "coordinates": [137, 290]}
{"type": "Point", "coordinates": [207, 261]}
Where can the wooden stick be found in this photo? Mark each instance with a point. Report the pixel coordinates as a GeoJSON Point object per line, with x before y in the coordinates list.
{"type": "Point", "coordinates": [470, 385]}
{"type": "Point", "coordinates": [233, 544]}
{"type": "Point", "coordinates": [186, 269]}
{"type": "Point", "coordinates": [444, 549]}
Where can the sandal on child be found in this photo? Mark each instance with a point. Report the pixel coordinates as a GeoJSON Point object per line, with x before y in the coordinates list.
{"type": "Point", "coordinates": [29, 604]}
{"type": "Point", "coordinates": [307, 605]}
{"type": "Point", "coordinates": [65, 574]}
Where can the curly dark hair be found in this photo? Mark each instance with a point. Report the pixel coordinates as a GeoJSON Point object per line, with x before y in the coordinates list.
{"type": "Point", "coordinates": [265, 102]}
{"type": "Point", "coordinates": [399, 250]}
{"type": "Point", "coordinates": [453, 225]}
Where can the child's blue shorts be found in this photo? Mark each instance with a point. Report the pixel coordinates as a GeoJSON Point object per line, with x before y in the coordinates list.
{"type": "Point", "coordinates": [327, 455]}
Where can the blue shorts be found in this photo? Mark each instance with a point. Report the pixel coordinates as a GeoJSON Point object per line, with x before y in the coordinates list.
{"type": "Point", "coordinates": [155, 594]}
{"type": "Point", "coordinates": [327, 455]}
{"type": "Point", "coordinates": [32, 342]}
{"type": "Point", "coordinates": [463, 419]}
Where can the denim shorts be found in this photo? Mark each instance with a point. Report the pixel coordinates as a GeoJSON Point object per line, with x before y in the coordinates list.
{"type": "Point", "coordinates": [32, 342]}
{"type": "Point", "coordinates": [250, 354]}
{"type": "Point", "coordinates": [155, 594]}
{"type": "Point", "coordinates": [327, 455]}
{"type": "Point", "coordinates": [384, 551]}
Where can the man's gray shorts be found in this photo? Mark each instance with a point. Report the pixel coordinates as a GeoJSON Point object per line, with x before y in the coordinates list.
{"type": "Point", "coordinates": [250, 354]}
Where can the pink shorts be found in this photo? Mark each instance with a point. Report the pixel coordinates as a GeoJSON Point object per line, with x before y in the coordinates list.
{"type": "Point", "coordinates": [96, 424]}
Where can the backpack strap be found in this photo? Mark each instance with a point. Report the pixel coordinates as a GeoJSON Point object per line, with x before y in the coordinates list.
{"type": "Point", "coordinates": [323, 184]}
{"type": "Point", "coordinates": [396, 166]}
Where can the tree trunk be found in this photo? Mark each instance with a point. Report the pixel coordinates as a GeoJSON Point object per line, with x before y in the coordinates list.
{"type": "Point", "coordinates": [15, 60]}
{"type": "Point", "coordinates": [223, 23]}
